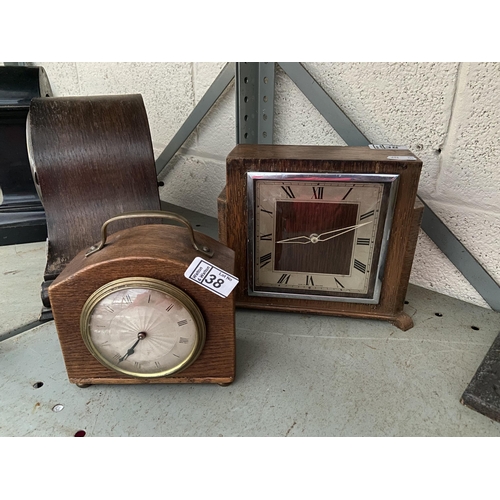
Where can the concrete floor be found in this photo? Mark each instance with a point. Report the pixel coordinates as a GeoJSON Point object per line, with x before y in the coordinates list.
{"type": "Point", "coordinates": [297, 375]}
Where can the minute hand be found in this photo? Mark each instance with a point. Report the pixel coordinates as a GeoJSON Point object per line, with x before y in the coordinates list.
{"type": "Point", "coordinates": [314, 238]}
{"type": "Point", "coordinates": [343, 229]}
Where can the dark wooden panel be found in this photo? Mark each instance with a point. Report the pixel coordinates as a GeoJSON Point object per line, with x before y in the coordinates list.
{"type": "Point", "coordinates": [92, 159]}
{"type": "Point", "coordinates": [293, 219]}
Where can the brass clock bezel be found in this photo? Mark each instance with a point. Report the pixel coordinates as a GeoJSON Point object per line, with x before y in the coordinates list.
{"type": "Point", "coordinates": [392, 180]}
{"type": "Point", "coordinates": [153, 284]}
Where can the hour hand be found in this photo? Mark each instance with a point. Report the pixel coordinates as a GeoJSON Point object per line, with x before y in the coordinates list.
{"type": "Point", "coordinates": [131, 351]}
{"type": "Point", "coordinates": [296, 239]}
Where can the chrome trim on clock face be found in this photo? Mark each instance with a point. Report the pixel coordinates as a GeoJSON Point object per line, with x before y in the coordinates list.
{"type": "Point", "coordinates": [389, 193]}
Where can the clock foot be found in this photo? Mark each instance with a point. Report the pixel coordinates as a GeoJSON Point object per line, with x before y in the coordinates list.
{"type": "Point", "coordinates": [225, 384]}
{"type": "Point", "coordinates": [402, 321]}
{"type": "Point", "coordinates": [83, 386]}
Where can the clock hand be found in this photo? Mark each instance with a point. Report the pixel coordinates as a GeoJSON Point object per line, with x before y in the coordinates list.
{"type": "Point", "coordinates": [292, 240]}
{"type": "Point", "coordinates": [315, 238]}
{"type": "Point", "coordinates": [343, 229]}
{"type": "Point", "coordinates": [131, 351]}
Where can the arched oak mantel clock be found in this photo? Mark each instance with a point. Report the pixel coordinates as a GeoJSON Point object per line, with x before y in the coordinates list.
{"type": "Point", "coordinates": [126, 313]}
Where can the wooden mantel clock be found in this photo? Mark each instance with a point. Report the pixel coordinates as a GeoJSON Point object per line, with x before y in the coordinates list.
{"type": "Point", "coordinates": [322, 229]}
{"type": "Point", "coordinates": [126, 313]}
{"type": "Point", "coordinates": [91, 157]}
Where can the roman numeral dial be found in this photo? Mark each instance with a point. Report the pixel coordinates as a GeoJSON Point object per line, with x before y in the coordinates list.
{"type": "Point", "coordinates": [142, 327]}
{"type": "Point", "coordinates": [317, 236]}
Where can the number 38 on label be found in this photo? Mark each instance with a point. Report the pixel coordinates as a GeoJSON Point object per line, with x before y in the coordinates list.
{"type": "Point", "coordinates": [212, 280]}
{"type": "Point", "coordinates": [208, 276]}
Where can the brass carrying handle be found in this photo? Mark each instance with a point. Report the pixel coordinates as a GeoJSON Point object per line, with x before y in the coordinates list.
{"type": "Point", "coordinates": [157, 214]}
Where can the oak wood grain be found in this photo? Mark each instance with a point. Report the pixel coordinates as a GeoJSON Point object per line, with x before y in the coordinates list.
{"type": "Point", "coordinates": [92, 159]}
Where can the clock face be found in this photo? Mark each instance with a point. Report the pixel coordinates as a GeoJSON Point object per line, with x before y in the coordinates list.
{"type": "Point", "coordinates": [142, 327]}
{"type": "Point", "coordinates": [319, 236]}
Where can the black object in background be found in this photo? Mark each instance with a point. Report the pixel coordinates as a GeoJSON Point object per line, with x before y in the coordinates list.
{"type": "Point", "coordinates": [22, 218]}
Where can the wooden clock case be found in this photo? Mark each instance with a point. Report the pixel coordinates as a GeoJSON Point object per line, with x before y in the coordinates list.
{"type": "Point", "coordinates": [158, 251]}
{"type": "Point", "coordinates": [91, 157]}
{"type": "Point", "coordinates": [233, 220]}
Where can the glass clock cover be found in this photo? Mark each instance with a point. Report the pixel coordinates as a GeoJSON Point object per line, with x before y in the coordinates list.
{"type": "Point", "coordinates": [319, 236]}
{"type": "Point", "coordinates": [142, 327]}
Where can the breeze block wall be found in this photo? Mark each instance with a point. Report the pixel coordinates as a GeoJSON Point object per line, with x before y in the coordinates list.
{"type": "Point", "coordinates": [446, 113]}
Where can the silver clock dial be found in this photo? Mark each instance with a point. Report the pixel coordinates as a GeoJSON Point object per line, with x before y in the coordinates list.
{"type": "Point", "coordinates": [318, 236]}
{"type": "Point", "coordinates": [143, 327]}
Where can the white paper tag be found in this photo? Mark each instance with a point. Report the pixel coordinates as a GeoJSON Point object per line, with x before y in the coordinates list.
{"type": "Point", "coordinates": [401, 158]}
{"type": "Point", "coordinates": [386, 146]}
{"type": "Point", "coordinates": [211, 277]}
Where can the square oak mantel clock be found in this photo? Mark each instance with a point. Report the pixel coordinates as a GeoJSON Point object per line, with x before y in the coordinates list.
{"type": "Point", "coordinates": [322, 229]}
{"type": "Point", "coordinates": [149, 304]}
